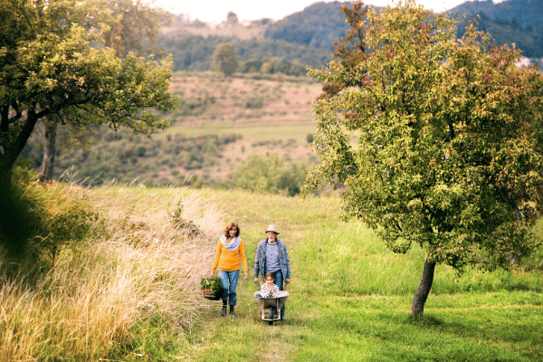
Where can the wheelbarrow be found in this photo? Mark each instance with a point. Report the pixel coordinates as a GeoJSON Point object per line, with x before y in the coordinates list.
{"type": "Point", "coordinates": [273, 304]}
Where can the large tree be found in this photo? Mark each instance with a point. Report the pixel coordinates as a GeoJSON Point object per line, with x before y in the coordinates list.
{"type": "Point", "coordinates": [133, 27]}
{"type": "Point", "coordinates": [55, 60]}
{"type": "Point", "coordinates": [448, 141]}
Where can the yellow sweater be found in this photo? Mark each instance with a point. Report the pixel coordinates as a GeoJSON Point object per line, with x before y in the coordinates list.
{"type": "Point", "coordinates": [229, 260]}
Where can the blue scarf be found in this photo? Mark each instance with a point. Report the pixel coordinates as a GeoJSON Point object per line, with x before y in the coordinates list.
{"type": "Point", "coordinates": [234, 244]}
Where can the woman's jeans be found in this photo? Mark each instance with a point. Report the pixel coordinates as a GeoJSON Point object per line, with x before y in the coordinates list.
{"type": "Point", "coordinates": [229, 282]}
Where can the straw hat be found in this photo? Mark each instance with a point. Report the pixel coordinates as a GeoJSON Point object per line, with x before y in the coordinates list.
{"type": "Point", "coordinates": [272, 228]}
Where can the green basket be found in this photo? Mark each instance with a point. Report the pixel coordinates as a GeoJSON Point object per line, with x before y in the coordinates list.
{"type": "Point", "coordinates": [211, 287]}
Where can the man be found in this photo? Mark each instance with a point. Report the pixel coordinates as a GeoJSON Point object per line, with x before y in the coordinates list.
{"type": "Point", "coordinates": [271, 256]}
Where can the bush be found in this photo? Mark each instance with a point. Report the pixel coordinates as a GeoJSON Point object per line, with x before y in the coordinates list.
{"type": "Point", "coordinates": [254, 102]}
{"type": "Point", "coordinates": [269, 174]}
{"type": "Point", "coordinates": [187, 226]}
{"type": "Point", "coordinates": [141, 151]}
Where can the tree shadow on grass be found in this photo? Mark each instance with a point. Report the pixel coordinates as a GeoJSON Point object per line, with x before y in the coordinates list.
{"type": "Point", "coordinates": [491, 334]}
{"type": "Point", "coordinates": [518, 327]}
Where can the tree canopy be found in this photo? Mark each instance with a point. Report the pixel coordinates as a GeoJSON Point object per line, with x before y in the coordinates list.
{"type": "Point", "coordinates": [225, 59]}
{"type": "Point", "coordinates": [447, 151]}
{"type": "Point", "coordinates": [53, 60]}
{"type": "Point", "coordinates": [135, 29]}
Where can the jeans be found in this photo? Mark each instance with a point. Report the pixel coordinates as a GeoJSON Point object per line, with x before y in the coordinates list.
{"type": "Point", "coordinates": [279, 282]}
{"type": "Point", "coordinates": [229, 282]}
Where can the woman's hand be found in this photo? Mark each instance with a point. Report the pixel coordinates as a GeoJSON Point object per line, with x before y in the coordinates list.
{"type": "Point", "coordinates": [212, 273]}
{"type": "Point", "coordinates": [245, 275]}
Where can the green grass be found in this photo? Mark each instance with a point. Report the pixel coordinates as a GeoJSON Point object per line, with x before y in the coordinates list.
{"type": "Point", "coordinates": [350, 298]}
{"type": "Point", "coordinates": [254, 131]}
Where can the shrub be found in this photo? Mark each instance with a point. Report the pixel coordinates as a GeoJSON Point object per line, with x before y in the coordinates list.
{"type": "Point", "coordinates": [269, 174]}
{"type": "Point", "coordinates": [254, 102]}
{"type": "Point", "coordinates": [141, 151]}
{"type": "Point", "coordinates": [187, 226]}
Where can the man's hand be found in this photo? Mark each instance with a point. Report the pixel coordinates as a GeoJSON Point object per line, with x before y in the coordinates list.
{"type": "Point", "coordinates": [287, 280]}
{"type": "Point", "coordinates": [255, 280]}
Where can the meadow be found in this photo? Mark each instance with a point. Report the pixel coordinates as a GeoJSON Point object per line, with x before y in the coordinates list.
{"type": "Point", "coordinates": [129, 291]}
{"type": "Point", "coordinates": [219, 122]}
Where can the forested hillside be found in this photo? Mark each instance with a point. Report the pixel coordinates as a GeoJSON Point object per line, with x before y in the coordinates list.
{"type": "Point", "coordinates": [512, 21]}
{"type": "Point", "coordinates": [317, 25]}
{"type": "Point", "coordinates": [307, 37]}
{"type": "Point", "coordinates": [194, 53]}
{"type": "Point", "coordinates": [527, 14]}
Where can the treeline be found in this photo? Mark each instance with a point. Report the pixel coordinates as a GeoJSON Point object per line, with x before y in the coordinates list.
{"type": "Point", "coordinates": [318, 25]}
{"type": "Point", "coordinates": [504, 31]}
{"type": "Point", "coordinates": [127, 158]}
{"type": "Point", "coordinates": [524, 13]}
{"type": "Point", "coordinates": [512, 21]}
{"type": "Point", "coordinates": [306, 37]}
{"type": "Point", "coordinates": [194, 53]}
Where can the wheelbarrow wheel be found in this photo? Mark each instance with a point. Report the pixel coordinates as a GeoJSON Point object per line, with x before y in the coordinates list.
{"type": "Point", "coordinates": [270, 323]}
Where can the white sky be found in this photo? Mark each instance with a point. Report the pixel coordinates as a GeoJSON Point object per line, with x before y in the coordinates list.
{"type": "Point", "coordinates": [215, 11]}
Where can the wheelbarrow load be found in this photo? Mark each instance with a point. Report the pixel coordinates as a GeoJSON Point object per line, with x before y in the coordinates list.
{"type": "Point", "coordinates": [272, 304]}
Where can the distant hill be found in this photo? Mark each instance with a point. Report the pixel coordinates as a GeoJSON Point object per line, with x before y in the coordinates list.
{"type": "Point", "coordinates": [530, 41]}
{"type": "Point", "coordinates": [307, 36]}
{"type": "Point", "coordinates": [194, 53]}
{"type": "Point", "coordinates": [318, 25]}
{"type": "Point", "coordinates": [524, 13]}
{"type": "Point", "coordinates": [512, 21]}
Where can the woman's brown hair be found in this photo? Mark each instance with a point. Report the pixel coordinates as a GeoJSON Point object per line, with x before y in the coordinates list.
{"type": "Point", "coordinates": [229, 227]}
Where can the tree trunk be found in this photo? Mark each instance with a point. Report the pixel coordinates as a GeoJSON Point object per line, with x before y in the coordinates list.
{"type": "Point", "coordinates": [7, 223]}
{"type": "Point", "coordinates": [5, 187]}
{"type": "Point", "coordinates": [417, 308]}
{"type": "Point", "coordinates": [49, 150]}
{"type": "Point", "coordinates": [13, 142]}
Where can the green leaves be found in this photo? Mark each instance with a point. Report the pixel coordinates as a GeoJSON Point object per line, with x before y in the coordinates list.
{"type": "Point", "coordinates": [225, 59]}
{"type": "Point", "coordinates": [59, 57]}
{"type": "Point", "coordinates": [269, 174]}
{"type": "Point", "coordinates": [448, 153]}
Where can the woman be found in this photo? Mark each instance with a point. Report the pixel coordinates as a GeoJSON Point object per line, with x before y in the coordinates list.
{"type": "Point", "coordinates": [230, 250]}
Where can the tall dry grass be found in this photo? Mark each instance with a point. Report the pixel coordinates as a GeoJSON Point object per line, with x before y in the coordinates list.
{"type": "Point", "coordinates": [137, 269]}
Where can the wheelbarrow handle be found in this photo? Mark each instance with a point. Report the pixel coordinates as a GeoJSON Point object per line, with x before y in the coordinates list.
{"type": "Point", "coordinates": [257, 285]}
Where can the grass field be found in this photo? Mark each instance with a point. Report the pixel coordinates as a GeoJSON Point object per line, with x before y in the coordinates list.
{"type": "Point", "coordinates": [131, 292]}
{"type": "Point", "coordinates": [266, 116]}
{"type": "Point", "coordinates": [350, 299]}
{"type": "Point", "coordinates": [250, 131]}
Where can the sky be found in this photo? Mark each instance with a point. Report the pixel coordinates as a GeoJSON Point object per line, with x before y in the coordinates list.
{"type": "Point", "coordinates": [215, 11]}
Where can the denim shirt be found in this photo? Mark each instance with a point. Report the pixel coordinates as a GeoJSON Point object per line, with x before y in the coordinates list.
{"type": "Point", "coordinates": [260, 259]}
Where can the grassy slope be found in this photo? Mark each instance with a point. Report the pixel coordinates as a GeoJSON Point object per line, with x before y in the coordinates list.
{"type": "Point", "coordinates": [280, 126]}
{"type": "Point", "coordinates": [350, 299]}
{"type": "Point", "coordinates": [272, 116]}
{"type": "Point", "coordinates": [131, 293]}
